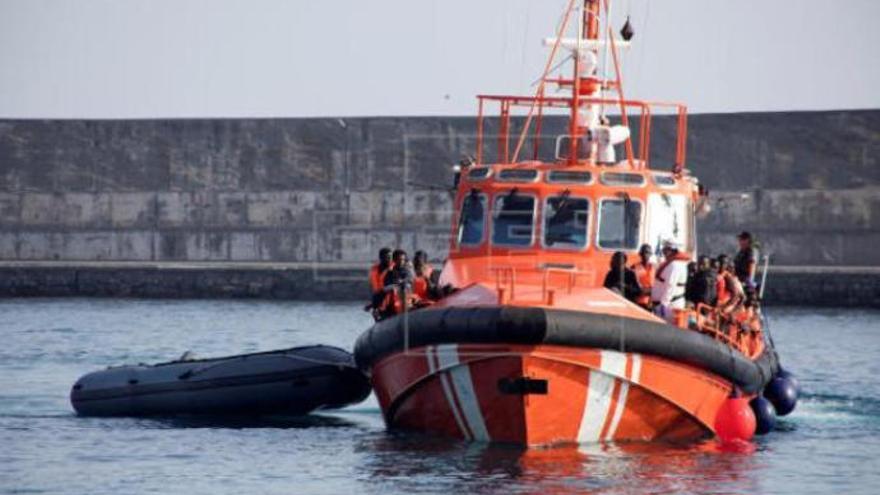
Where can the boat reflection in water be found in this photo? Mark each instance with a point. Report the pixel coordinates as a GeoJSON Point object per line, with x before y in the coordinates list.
{"type": "Point", "coordinates": [637, 467]}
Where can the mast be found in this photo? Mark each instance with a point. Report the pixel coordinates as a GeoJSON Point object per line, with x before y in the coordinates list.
{"type": "Point", "coordinates": [583, 80]}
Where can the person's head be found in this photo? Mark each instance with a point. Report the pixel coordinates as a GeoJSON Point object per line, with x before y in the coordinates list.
{"type": "Point", "coordinates": [723, 262]}
{"type": "Point", "coordinates": [618, 260]}
{"type": "Point", "coordinates": [692, 267]}
{"type": "Point", "coordinates": [420, 258]}
{"type": "Point", "coordinates": [385, 256]}
{"type": "Point", "coordinates": [745, 239]}
{"type": "Point", "coordinates": [704, 263]}
{"type": "Point", "coordinates": [715, 265]}
{"type": "Point", "coordinates": [645, 253]}
{"type": "Point", "coordinates": [670, 248]}
{"type": "Point", "coordinates": [399, 256]}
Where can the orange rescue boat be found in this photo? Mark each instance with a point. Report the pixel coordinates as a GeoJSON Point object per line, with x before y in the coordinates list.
{"type": "Point", "coordinates": [531, 348]}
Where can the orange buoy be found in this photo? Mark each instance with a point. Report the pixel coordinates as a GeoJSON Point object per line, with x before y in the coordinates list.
{"type": "Point", "coordinates": [735, 420]}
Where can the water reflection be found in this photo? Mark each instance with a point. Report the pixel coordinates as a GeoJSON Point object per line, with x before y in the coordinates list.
{"type": "Point", "coordinates": [454, 466]}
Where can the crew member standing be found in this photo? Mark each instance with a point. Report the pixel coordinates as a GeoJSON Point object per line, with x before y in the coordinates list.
{"type": "Point", "coordinates": [667, 294]}
{"type": "Point", "coordinates": [644, 270]}
{"type": "Point", "coordinates": [745, 263]}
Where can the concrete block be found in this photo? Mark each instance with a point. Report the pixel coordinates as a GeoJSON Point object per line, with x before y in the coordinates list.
{"type": "Point", "coordinates": [186, 209]}
{"type": "Point", "coordinates": [10, 209]}
{"type": "Point", "coordinates": [88, 246]}
{"type": "Point", "coordinates": [8, 245]}
{"type": "Point", "coordinates": [207, 246]}
{"type": "Point", "coordinates": [231, 209]}
{"type": "Point", "coordinates": [66, 210]}
{"type": "Point", "coordinates": [133, 210]}
{"type": "Point", "coordinates": [245, 246]}
{"type": "Point", "coordinates": [281, 209]}
{"type": "Point", "coordinates": [136, 245]}
{"type": "Point", "coordinates": [170, 245]}
{"type": "Point", "coordinates": [41, 246]}
{"type": "Point", "coordinates": [290, 245]}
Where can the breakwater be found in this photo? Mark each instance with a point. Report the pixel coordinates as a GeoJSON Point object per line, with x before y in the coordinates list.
{"type": "Point", "coordinates": [324, 192]}
{"type": "Point", "coordinates": [791, 286]}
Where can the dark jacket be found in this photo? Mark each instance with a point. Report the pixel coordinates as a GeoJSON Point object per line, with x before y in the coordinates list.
{"type": "Point", "coordinates": [623, 281]}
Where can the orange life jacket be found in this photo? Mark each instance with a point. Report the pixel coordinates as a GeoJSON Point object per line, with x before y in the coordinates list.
{"type": "Point", "coordinates": [422, 282]}
{"type": "Point", "coordinates": [721, 292]}
{"type": "Point", "coordinates": [377, 277]}
{"type": "Point", "coordinates": [645, 276]}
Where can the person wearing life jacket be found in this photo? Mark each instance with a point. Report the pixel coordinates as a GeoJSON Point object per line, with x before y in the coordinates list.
{"type": "Point", "coordinates": [423, 286]}
{"type": "Point", "coordinates": [397, 285]}
{"type": "Point", "coordinates": [377, 279]}
{"type": "Point", "coordinates": [622, 279]}
{"type": "Point", "coordinates": [644, 271]}
{"type": "Point", "coordinates": [667, 294]}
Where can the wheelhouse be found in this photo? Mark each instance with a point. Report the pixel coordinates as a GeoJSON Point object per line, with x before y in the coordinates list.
{"type": "Point", "coordinates": [582, 213]}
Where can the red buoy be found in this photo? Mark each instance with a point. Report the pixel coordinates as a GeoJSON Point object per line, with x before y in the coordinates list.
{"type": "Point", "coordinates": [735, 420]}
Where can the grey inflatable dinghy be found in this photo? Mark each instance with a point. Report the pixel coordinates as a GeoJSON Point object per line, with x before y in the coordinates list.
{"type": "Point", "coordinates": [288, 381]}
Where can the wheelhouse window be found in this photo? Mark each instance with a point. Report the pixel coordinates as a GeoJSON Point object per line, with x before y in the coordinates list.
{"type": "Point", "coordinates": [566, 221]}
{"type": "Point", "coordinates": [619, 224]}
{"type": "Point", "coordinates": [518, 175]}
{"type": "Point", "coordinates": [569, 177]}
{"type": "Point", "coordinates": [663, 180]}
{"type": "Point", "coordinates": [513, 219]}
{"type": "Point", "coordinates": [479, 173]}
{"type": "Point", "coordinates": [472, 221]}
{"type": "Point", "coordinates": [622, 179]}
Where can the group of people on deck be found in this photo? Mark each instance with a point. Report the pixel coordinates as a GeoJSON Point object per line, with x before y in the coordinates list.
{"type": "Point", "coordinates": [678, 283]}
{"type": "Point", "coordinates": [398, 284]}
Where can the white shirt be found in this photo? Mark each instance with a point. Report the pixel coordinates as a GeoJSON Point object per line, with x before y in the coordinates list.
{"type": "Point", "coordinates": [669, 286]}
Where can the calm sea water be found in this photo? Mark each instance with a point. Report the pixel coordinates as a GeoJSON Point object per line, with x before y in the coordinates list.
{"type": "Point", "coordinates": [829, 445]}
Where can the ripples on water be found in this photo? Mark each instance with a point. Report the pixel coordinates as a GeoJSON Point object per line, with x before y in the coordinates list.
{"type": "Point", "coordinates": [828, 445]}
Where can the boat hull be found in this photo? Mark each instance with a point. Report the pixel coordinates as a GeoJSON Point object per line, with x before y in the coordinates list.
{"type": "Point", "coordinates": [545, 394]}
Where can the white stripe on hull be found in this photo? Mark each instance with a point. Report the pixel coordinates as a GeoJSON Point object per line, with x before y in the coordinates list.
{"type": "Point", "coordinates": [463, 386]}
{"type": "Point", "coordinates": [447, 389]}
{"type": "Point", "coordinates": [458, 387]}
{"type": "Point", "coordinates": [612, 366]}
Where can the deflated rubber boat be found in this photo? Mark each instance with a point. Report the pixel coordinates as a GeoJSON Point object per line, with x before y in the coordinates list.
{"type": "Point", "coordinates": [288, 381]}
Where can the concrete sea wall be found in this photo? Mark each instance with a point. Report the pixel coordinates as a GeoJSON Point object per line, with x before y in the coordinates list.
{"type": "Point", "coordinates": [325, 192]}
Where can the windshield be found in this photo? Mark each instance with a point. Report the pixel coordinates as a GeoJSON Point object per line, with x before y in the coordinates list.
{"type": "Point", "coordinates": [513, 220]}
{"type": "Point", "coordinates": [619, 224]}
{"type": "Point", "coordinates": [473, 217]}
{"type": "Point", "coordinates": [565, 222]}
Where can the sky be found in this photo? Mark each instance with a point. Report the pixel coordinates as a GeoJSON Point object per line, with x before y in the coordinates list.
{"type": "Point", "coordinates": [308, 58]}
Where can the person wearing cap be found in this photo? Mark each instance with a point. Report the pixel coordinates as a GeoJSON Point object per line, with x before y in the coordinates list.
{"type": "Point", "coordinates": [745, 263]}
{"type": "Point", "coordinates": [644, 271]}
{"type": "Point", "coordinates": [667, 294]}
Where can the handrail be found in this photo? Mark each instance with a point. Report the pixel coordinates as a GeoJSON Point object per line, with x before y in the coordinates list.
{"type": "Point", "coordinates": [506, 281]}
{"type": "Point", "coordinates": [645, 108]}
